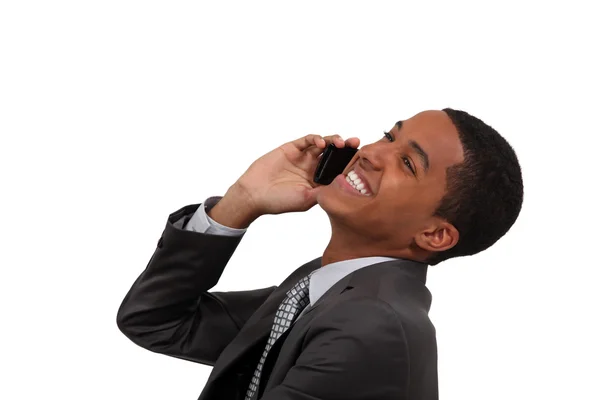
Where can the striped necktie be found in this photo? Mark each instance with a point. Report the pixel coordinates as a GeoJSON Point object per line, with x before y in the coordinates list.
{"type": "Point", "coordinates": [295, 301]}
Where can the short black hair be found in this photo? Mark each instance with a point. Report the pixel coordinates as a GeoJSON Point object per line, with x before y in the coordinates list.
{"type": "Point", "coordinates": [484, 193]}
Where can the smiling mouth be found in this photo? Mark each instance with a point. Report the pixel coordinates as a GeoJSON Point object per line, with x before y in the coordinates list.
{"type": "Point", "coordinates": [357, 183]}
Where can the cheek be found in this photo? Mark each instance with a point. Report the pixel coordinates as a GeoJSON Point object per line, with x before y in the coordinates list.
{"type": "Point", "coordinates": [407, 201]}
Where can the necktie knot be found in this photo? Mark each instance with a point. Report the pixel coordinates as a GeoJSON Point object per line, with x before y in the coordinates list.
{"type": "Point", "coordinates": [299, 293]}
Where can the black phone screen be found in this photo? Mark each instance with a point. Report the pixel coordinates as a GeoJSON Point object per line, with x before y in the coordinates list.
{"type": "Point", "coordinates": [332, 163]}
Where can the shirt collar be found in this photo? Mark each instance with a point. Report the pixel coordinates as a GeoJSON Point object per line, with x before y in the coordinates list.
{"type": "Point", "coordinates": [328, 275]}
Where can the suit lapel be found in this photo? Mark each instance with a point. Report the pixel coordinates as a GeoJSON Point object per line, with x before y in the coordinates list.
{"type": "Point", "coordinates": [297, 330]}
{"type": "Point", "coordinates": [338, 288]}
{"type": "Point", "coordinates": [259, 325]}
{"type": "Point", "coordinates": [257, 328]}
{"type": "Point", "coordinates": [414, 269]}
{"type": "Point", "coordinates": [354, 279]}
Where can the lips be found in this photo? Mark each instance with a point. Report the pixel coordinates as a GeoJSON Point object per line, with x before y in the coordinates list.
{"type": "Point", "coordinates": [362, 177]}
{"type": "Point", "coordinates": [360, 173]}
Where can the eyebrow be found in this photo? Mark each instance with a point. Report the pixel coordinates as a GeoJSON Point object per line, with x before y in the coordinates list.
{"type": "Point", "coordinates": [417, 148]}
{"type": "Point", "coordinates": [424, 157]}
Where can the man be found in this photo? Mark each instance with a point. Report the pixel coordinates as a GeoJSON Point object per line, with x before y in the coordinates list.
{"type": "Point", "coordinates": [352, 324]}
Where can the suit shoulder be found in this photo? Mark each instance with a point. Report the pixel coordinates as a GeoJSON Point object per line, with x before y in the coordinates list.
{"type": "Point", "coordinates": [408, 298]}
{"type": "Point", "coordinates": [366, 317]}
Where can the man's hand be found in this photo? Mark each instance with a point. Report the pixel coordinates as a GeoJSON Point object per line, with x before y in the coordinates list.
{"type": "Point", "coordinates": [280, 181]}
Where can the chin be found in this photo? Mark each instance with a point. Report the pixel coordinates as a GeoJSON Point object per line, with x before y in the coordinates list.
{"type": "Point", "coordinates": [325, 201]}
{"type": "Point", "coordinates": [338, 206]}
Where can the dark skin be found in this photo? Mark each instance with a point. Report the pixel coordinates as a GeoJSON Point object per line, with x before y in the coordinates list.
{"type": "Point", "coordinates": [397, 219]}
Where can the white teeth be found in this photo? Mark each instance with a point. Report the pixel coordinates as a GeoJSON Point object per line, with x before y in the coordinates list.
{"type": "Point", "coordinates": [356, 183]}
{"type": "Point", "coordinates": [354, 177]}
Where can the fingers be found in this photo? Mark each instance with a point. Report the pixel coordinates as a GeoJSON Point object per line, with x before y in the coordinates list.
{"type": "Point", "coordinates": [323, 143]}
{"type": "Point", "coordinates": [353, 142]}
{"type": "Point", "coordinates": [337, 140]}
{"type": "Point", "coordinates": [307, 141]}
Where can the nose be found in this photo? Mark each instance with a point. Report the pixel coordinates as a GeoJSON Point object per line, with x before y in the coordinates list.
{"type": "Point", "coordinates": [372, 157]}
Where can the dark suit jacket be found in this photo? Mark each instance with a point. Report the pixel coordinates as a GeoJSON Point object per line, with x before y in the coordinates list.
{"type": "Point", "coordinates": [368, 337]}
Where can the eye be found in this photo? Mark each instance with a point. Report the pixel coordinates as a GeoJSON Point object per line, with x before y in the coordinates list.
{"type": "Point", "coordinates": [409, 165]}
{"type": "Point", "coordinates": [406, 160]}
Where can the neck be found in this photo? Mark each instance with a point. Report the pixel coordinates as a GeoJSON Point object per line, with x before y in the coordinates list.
{"type": "Point", "coordinates": [346, 244]}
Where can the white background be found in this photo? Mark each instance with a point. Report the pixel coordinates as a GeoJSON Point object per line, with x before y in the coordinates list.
{"type": "Point", "coordinates": [114, 114]}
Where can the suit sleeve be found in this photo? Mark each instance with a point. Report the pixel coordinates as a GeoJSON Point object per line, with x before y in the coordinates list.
{"type": "Point", "coordinates": [169, 308]}
{"type": "Point", "coordinates": [201, 222]}
{"type": "Point", "coordinates": [357, 350]}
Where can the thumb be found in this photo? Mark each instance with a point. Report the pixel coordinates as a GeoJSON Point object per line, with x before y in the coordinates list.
{"type": "Point", "coordinates": [311, 195]}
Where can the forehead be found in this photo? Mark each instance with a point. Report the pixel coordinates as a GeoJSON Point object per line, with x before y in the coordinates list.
{"type": "Point", "coordinates": [436, 134]}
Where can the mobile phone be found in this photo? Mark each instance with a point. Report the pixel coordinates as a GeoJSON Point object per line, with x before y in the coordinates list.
{"type": "Point", "coordinates": [333, 162]}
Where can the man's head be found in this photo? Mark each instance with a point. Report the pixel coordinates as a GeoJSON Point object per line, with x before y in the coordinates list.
{"type": "Point", "coordinates": [442, 184]}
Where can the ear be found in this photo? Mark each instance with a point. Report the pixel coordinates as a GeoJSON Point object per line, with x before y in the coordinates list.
{"type": "Point", "coordinates": [439, 237]}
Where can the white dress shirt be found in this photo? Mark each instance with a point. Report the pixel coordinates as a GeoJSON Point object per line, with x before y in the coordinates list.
{"type": "Point", "coordinates": [320, 282]}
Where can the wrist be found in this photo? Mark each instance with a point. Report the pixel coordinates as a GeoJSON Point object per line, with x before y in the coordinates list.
{"type": "Point", "coordinates": [234, 210]}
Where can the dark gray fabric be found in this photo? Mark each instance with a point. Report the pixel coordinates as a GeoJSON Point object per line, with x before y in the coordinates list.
{"type": "Point", "coordinates": [296, 300]}
{"type": "Point", "coordinates": [368, 337]}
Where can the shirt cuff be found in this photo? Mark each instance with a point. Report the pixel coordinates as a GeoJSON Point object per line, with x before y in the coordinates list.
{"type": "Point", "coordinates": [201, 222]}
